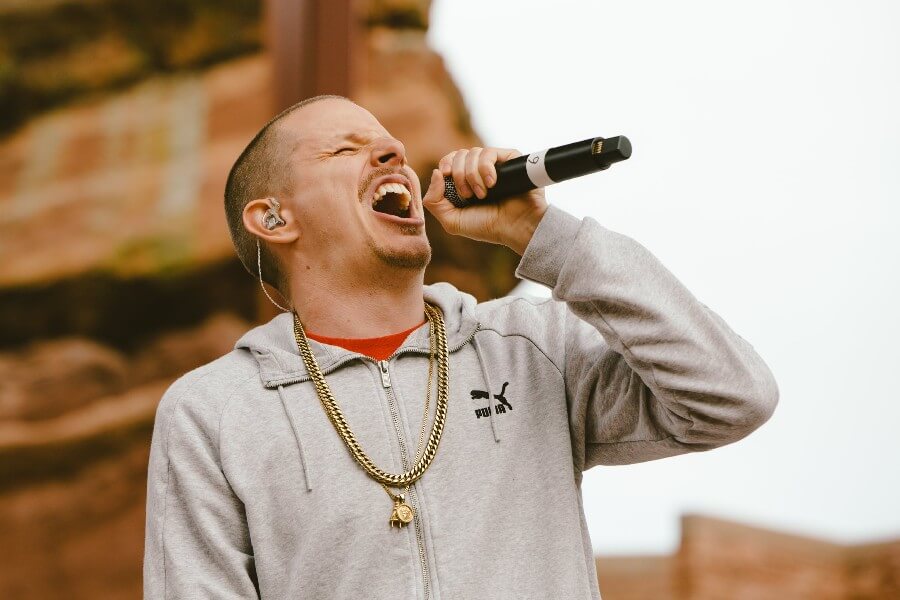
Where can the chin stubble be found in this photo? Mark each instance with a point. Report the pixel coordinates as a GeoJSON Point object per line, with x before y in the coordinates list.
{"type": "Point", "coordinates": [413, 259]}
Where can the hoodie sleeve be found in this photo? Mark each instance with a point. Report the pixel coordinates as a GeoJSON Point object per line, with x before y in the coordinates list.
{"type": "Point", "coordinates": [649, 370]}
{"type": "Point", "coordinates": [197, 543]}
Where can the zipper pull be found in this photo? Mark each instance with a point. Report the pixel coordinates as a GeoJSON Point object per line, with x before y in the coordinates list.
{"type": "Point", "coordinates": [385, 376]}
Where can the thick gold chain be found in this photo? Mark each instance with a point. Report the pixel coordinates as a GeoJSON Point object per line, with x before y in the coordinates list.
{"type": "Point", "coordinates": [431, 352]}
{"type": "Point", "coordinates": [336, 416]}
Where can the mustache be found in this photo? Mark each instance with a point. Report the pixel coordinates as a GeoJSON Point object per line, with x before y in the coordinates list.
{"type": "Point", "coordinates": [375, 174]}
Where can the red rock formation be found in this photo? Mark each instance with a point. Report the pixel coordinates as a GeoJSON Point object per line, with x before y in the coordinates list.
{"type": "Point", "coordinates": [117, 272]}
{"type": "Point", "coordinates": [47, 379]}
{"type": "Point", "coordinates": [636, 577]}
{"type": "Point", "coordinates": [720, 559]}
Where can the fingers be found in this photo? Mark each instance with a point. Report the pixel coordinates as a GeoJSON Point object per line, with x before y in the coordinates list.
{"type": "Point", "coordinates": [473, 170]}
{"type": "Point", "coordinates": [453, 165]}
{"type": "Point", "coordinates": [458, 170]}
{"type": "Point", "coordinates": [505, 154]}
{"type": "Point", "coordinates": [446, 162]}
{"type": "Point", "coordinates": [473, 176]}
{"type": "Point", "coordinates": [486, 166]}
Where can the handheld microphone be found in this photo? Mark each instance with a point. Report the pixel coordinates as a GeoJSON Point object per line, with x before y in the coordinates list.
{"type": "Point", "coordinates": [540, 169]}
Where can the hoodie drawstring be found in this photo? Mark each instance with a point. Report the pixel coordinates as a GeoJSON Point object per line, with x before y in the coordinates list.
{"type": "Point", "coordinates": [487, 385]}
{"type": "Point", "coordinates": [296, 437]}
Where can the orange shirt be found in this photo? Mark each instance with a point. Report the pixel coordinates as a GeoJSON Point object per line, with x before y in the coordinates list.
{"type": "Point", "coordinates": [378, 348]}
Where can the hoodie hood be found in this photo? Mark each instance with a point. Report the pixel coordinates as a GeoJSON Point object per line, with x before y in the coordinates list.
{"type": "Point", "coordinates": [273, 346]}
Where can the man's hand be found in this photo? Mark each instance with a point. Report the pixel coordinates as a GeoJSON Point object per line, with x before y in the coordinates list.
{"type": "Point", "coordinates": [510, 222]}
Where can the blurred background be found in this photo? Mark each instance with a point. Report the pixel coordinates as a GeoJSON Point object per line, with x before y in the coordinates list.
{"type": "Point", "coordinates": [766, 138]}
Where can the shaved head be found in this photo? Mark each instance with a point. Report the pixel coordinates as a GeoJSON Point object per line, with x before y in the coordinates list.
{"type": "Point", "coordinates": [263, 169]}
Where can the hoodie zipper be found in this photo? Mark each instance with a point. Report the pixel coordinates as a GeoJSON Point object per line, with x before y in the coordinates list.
{"type": "Point", "coordinates": [386, 383]}
{"type": "Point", "coordinates": [389, 390]}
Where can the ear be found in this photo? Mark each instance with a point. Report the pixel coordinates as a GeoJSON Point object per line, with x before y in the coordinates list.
{"type": "Point", "coordinates": [254, 218]}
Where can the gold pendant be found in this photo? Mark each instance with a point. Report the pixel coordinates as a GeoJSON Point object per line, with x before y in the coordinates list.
{"type": "Point", "coordinates": [402, 513]}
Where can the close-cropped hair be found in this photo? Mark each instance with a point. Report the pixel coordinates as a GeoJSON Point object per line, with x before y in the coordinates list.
{"type": "Point", "coordinates": [262, 170]}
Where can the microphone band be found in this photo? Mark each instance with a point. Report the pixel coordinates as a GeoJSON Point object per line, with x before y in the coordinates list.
{"type": "Point", "coordinates": [536, 169]}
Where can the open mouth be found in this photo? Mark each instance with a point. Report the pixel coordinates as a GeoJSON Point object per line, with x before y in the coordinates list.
{"type": "Point", "coordinates": [392, 199]}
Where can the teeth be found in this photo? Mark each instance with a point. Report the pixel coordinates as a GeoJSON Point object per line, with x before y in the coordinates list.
{"type": "Point", "coordinates": [397, 188]}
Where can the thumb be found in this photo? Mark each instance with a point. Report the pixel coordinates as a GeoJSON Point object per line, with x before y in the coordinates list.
{"type": "Point", "coordinates": [434, 200]}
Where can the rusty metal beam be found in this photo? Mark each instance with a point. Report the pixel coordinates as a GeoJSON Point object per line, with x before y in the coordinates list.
{"type": "Point", "coordinates": [312, 47]}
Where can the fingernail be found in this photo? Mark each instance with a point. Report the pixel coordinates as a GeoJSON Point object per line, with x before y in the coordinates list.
{"type": "Point", "coordinates": [489, 180]}
{"type": "Point", "coordinates": [479, 192]}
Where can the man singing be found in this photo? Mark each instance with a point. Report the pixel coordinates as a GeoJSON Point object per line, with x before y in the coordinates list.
{"type": "Point", "coordinates": [382, 438]}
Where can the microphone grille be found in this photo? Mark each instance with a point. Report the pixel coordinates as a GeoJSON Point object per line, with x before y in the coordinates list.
{"type": "Point", "coordinates": [451, 195]}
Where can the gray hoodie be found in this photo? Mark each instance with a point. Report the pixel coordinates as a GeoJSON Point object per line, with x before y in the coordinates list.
{"type": "Point", "coordinates": [252, 494]}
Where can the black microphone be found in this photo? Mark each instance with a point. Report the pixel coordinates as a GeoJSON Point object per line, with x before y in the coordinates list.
{"type": "Point", "coordinates": [540, 169]}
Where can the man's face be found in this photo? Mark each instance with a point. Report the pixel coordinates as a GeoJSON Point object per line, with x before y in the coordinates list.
{"type": "Point", "coordinates": [358, 201]}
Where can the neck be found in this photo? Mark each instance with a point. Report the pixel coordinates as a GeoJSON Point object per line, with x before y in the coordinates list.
{"type": "Point", "coordinates": [333, 306]}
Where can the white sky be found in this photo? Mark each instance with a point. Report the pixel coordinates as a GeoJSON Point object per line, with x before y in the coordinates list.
{"type": "Point", "coordinates": [766, 176]}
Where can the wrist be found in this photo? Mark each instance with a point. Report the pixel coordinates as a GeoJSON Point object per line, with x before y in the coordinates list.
{"type": "Point", "coordinates": [523, 229]}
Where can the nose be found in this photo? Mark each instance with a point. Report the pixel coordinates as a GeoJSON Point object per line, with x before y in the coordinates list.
{"type": "Point", "coordinates": [388, 151]}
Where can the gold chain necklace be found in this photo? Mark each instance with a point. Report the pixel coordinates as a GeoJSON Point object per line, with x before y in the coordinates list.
{"type": "Point", "coordinates": [402, 511]}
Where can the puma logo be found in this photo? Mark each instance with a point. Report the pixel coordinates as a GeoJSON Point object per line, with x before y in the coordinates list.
{"type": "Point", "coordinates": [484, 395]}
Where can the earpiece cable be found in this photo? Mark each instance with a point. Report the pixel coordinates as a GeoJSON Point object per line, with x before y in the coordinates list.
{"type": "Point", "coordinates": [259, 272]}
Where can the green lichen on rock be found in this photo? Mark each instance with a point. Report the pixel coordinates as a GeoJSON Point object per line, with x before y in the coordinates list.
{"type": "Point", "coordinates": [398, 14]}
{"type": "Point", "coordinates": [55, 52]}
{"type": "Point", "coordinates": [161, 254]}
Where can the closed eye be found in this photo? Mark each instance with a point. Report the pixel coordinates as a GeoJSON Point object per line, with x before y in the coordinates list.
{"type": "Point", "coordinates": [346, 150]}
